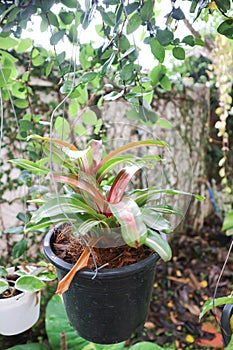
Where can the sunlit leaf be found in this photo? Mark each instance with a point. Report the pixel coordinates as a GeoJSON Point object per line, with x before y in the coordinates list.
{"type": "Point", "coordinates": [157, 50]}
{"type": "Point", "coordinates": [29, 284]}
{"type": "Point", "coordinates": [133, 23]}
{"type": "Point", "coordinates": [211, 303]}
{"type": "Point", "coordinates": [62, 127]}
{"type": "Point", "coordinates": [178, 53]}
{"type": "Point", "coordinates": [89, 117]}
{"type": "Point", "coordinates": [228, 221]}
{"type": "Point", "coordinates": [19, 248]}
{"type": "Point", "coordinates": [3, 285]}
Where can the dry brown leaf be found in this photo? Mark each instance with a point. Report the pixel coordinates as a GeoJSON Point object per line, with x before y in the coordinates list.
{"type": "Point", "coordinates": [178, 280]}
{"type": "Point", "coordinates": [149, 325]}
{"type": "Point", "coordinates": [193, 309]}
{"type": "Point", "coordinates": [64, 284]}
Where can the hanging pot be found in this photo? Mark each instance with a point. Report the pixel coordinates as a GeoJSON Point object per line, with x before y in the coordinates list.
{"type": "Point", "coordinates": [19, 313]}
{"type": "Point", "coordinates": [226, 328]}
{"type": "Point", "coordinates": [108, 307]}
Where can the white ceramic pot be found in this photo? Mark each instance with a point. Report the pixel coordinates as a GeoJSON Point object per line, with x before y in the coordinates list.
{"type": "Point", "coordinates": [19, 313]}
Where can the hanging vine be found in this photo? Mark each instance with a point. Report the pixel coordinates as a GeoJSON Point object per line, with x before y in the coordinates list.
{"type": "Point", "coordinates": [224, 71]}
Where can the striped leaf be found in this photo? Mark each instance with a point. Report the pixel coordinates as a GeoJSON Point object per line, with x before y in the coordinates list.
{"type": "Point", "coordinates": [155, 241]}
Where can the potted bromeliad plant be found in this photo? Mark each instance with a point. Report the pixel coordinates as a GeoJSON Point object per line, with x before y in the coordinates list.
{"type": "Point", "coordinates": [107, 235]}
{"type": "Point", "coordinates": [20, 297]}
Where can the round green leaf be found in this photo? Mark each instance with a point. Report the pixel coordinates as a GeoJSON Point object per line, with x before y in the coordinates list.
{"type": "Point", "coordinates": [38, 61]}
{"type": "Point", "coordinates": [18, 230]}
{"type": "Point", "coordinates": [133, 23]}
{"type": "Point", "coordinates": [70, 3]}
{"type": "Point", "coordinates": [177, 13]}
{"type": "Point", "coordinates": [57, 36]}
{"type": "Point", "coordinates": [19, 90]}
{"type": "Point", "coordinates": [178, 53]}
{"type": "Point", "coordinates": [89, 76]}
{"type": "Point", "coordinates": [223, 5]}
{"type": "Point", "coordinates": [226, 28]}
{"type": "Point", "coordinates": [62, 127]}
{"type": "Point", "coordinates": [66, 17]}
{"type": "Point", "coordinates": [165, 83]}
{"type": "Point", "coordinates": [157, 74]}
{"type": "Point", "coordinates": [3, 271]}
{"type": "Point", "coordinates": [7, 43]}
{"type": "Point", "coordinates": [21, 103]}
{"type": "Point", "coordinates": [164, 37]}
{"type": "Point", "coordinates": [5, 76]}
{"type": "Point", "coordinates": [147, 10]}
{"type": "Point", "coordinates": [19, 248]}
{"type": "Point", "coordinates": [29, 284]}
{"type": "Point", "coordinates": [89, 117]}
{"type": "Point", "coordinates": [80, 130]}
{"type": "Point", "coordinates": [189, 40]}
{"type": "Point", "coordinates": [3, 285]}
{"type": "Point", "coordinates": [163, 123]}
{"type": "Point", "coordinates": [157, 49]}
{"type": "Point", "coordinates": [73, 108]}
{"type": "Point", "coordinates": [47, 276]}
{"type": "Point", "coordinates": [24, 45]}
{"type": "Point", "coordinates": [127, 72]}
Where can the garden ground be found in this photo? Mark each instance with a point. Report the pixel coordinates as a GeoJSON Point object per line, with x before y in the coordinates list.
{"type": "Point", "coordinates": [180, 289]}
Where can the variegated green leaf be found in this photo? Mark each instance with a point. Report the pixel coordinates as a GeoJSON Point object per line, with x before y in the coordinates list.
{"type": "Point", "coordinates": [3, 285]}
{"type": "Point", "coordinates": [29, 284]}
{"type": "Point", "coordinates": [161, 246]}
{"type": "Point", "coordinates": [61, 205]}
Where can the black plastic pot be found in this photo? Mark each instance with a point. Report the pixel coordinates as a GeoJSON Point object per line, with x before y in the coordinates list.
{"type": "Point", "coordinates": [227, 313]}
{"type": "Point", "coordinates": [112, 306]}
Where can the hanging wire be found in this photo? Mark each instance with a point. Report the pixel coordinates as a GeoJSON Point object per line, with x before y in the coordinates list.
{"type": "Point", "coordinates": [54, 184]}
{"type": "Point", "coordinates": [11, 102]}
{"type": "Point", "coordinates": [17, 128]}
{"type": "Point", "coordinates": [143, 108]}
{"type": "Point", "coordinates": [220, 276]}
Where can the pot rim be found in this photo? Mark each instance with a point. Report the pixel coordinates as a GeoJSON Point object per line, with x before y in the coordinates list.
{"type": "Point", "coordinates": [88, 273]}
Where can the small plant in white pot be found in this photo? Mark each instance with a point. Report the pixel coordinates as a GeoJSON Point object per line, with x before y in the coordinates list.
{"type": "Point", "coordinates": [20, 297]}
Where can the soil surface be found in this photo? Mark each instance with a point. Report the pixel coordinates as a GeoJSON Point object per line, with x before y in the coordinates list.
{"type": "Point", "coordinates": [69, 248]}
{"type": "Point", "coordinates": [180, 289]}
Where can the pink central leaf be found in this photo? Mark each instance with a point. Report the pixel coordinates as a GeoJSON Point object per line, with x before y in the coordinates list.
{"type": "Point", "coordinates": [121, 182]}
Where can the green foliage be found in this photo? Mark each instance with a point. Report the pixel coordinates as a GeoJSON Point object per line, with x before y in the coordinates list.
{"type": "Point", "coordinates": [212, 303]}
{"type": "Point", "coordinates": [30, 279]}
{"type": "Point", "coordinates": [228, 221]}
